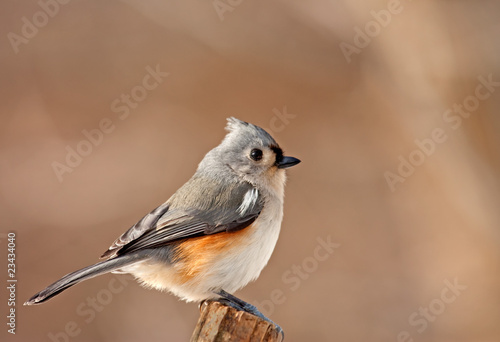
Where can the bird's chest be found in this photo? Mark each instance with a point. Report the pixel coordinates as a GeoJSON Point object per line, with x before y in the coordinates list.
{"type": "Point", "coordinates": [246, 261]}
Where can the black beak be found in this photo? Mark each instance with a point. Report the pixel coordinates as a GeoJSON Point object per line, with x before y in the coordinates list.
{"type": "Point", "coordinates": [287, 162]}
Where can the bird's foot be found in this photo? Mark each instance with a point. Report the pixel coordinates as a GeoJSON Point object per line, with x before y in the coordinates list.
{"type": "Point", "coordinates": [234, 302]}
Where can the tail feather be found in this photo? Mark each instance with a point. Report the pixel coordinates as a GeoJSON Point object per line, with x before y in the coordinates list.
{"type": "Point", "coordinates": [83, 274]}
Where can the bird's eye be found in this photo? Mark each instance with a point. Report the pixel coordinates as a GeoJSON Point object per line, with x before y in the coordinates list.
{"type": "Point", "coordinates": [256, 154]}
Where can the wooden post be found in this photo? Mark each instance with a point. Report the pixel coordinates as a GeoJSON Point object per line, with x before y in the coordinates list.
{"type": "Point", "coordinates": [221, 323]}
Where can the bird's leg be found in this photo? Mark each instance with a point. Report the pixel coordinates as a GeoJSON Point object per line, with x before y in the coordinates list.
{"type": "Point", "coordinates": [241, 305]}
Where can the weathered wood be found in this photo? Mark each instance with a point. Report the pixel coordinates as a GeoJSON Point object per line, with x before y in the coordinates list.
{"type": "Point", "coordinates": [221, 323]}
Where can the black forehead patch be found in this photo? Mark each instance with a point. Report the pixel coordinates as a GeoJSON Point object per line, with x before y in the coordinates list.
{"type": "Point", "coordinates": [279, 153]}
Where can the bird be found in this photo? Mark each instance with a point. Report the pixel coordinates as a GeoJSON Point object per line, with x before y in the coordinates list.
{"type": "Point", "coordinates": [214, 235]}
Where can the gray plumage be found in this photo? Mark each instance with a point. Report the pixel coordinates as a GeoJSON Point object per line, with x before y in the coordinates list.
{"type": "Point", "coordinates": [227, 193]}
{"type": "Point", "coordinates": [83, 274]}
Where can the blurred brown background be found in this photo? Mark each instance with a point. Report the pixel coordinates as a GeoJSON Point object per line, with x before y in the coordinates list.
{"type": "Point", "coordinates": [352, 117]}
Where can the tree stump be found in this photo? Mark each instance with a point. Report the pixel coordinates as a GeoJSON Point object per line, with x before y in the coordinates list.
{"type": "Point", "coordinates": [221, 323]}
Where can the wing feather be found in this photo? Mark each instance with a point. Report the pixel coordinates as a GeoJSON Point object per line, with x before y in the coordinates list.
{"type": "Point", "coordinates": [168, 223]}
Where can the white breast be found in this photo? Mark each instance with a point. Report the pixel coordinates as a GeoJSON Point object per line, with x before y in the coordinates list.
{"type": "Point", "coordinates": [244, 266]}
{"type": "Point", "coordinates": [229, 272]}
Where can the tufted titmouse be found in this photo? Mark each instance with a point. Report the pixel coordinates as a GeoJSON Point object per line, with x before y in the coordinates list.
{"type": "Point", "coordinates": [215, 234]}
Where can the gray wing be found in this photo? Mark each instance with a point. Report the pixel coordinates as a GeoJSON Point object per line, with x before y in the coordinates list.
{"type": "Point", "coordinates": [215, 209]}
{"type": "Point", "coordinates": [148, 222]}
